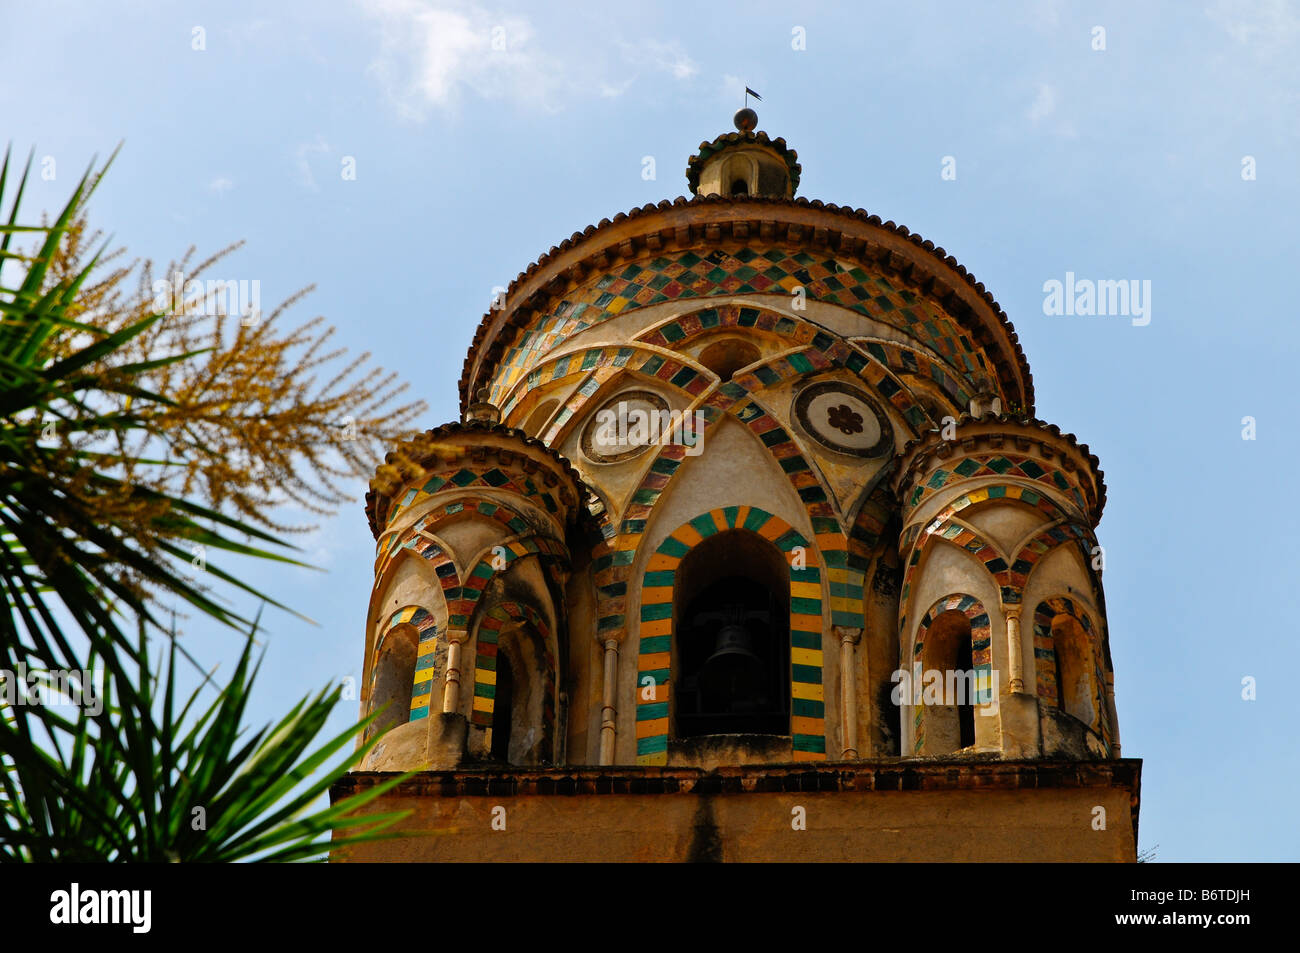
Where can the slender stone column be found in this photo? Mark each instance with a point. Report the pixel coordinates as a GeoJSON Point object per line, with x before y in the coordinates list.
{"type": "Point", "coordinates": [1110, 711]}
{"type": "Point", "coordinates": [1015, 651]}
{"type": "Point", "coordinates": [848, 690]}
{"type": "Point", "coordinates": [608, 712]}
{"type": "Point", "coordinates": [451, 689]}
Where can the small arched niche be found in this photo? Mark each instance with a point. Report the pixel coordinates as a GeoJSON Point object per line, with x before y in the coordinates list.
{"type": "Point", "coordinates": [738, 176]}
{"type": "Point", "coordinates": [394, 679]}
{"type": "Point", "coordinates": [514, 705]}
{"type": "Point", "coordinates": [948, 684]}
{"type": "Point", "coordinates": [1077, 692]}
{"type": "Point", "coordinates": [726, 356]}
{"type": "Point", "coordinates": [503, 714]}
{"type": "Point", "coordinates": [731, 605]}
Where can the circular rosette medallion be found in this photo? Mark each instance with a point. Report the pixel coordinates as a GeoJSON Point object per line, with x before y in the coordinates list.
{"type": "Point", "coordinates": [844, 419]}
{"type": "Point", "coordinates": [625, 426]}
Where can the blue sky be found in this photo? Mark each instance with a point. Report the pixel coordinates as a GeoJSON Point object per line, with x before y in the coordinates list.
{"type": "Point", "coordinates": [471, 161]}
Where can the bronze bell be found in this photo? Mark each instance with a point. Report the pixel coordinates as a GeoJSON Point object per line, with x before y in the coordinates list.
{"type": "Point", "coordinates": [732, 678]}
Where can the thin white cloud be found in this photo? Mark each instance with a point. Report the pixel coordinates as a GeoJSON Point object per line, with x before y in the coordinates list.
{"type": "Point", "coordinates": [1044, 104]}
{"type": "Point", "coordinates": [733, 88]}
{"type": "Point", "coordinates": [666, 57]}
{"type": "Point", "coordinates": [434, 54]}
{"type": "Point", "coordinates": [302, 154]}
{"type": "Point", "coordinates": [1265, 25]}
{"type": "Point", "coordinates": [221, 184]}
{"type": "Point", "coordinates": [430, 54]}
{"type": "Point", "coordinates": [1044, 14]}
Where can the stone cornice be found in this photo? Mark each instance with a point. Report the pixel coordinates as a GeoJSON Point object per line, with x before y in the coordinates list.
{"type": "Point", "coordinates": [1006, 433]}
{"type": "Point", "coordinates": [896, 774]}
{"type": "Point", "coordinates": [488, 444]}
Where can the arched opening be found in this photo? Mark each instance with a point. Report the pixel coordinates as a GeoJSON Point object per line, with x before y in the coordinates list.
{"type": "Point", "coordinates": [1076, 691]}
{"type": "Point", "coordinates": [513, 717]}
{"type": "Point", "coordinates": [732, 609]}
{"type": "Point", "coordinates": [394, 679]}
{"type": "Point", "coordinates": [739, 187]}
{"type": "Point", "coordinates": [503, 709]}
{"type": "Point", "coordinates": [729, 355]}
{"type": "Point", "coordinates": [948, 684]}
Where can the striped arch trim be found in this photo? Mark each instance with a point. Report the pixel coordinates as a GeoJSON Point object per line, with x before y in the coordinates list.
{"type": "Point", "coordinates": [462, 603]}
{"type": "Point", "coordinates": [490, 625]}
{"type": "Point", "coordinates": [1011, 577]}
{"type": "Point", "coordinates": [961, 536]}
{"type": "Point", "coordinates": [1013, 586]}
{"type": "Point", "coordinates": [1045, 659]}
{"type": "Point", "coordinates": [820, 351]}
{"type": "Point", "coordinates": [846, 555]}
{"type": "Point", "coordinates": [750, 269]}
{"type": "Point", "coordinates": [390, 544]}
{"type": "Point", "coordinates": [654, 661]}
{"type": "Point", "coordinates": [431, 654]}
{"type": "Point", "coordinates": [981, 652]}
{"type": "Point", "coordinates": [908, 362]}
{"type": "Point", "coordinates": [846, 570]}
{"type": "Point", "coordinates": [424, 547]}
{"type": "Point", "coordinates": [873, 515]}
{"type": "Point", "coordinates": [916, 538]}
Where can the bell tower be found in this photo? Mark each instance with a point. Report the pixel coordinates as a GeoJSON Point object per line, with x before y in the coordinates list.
{"type": "Point", "coordinates": [749, 508]}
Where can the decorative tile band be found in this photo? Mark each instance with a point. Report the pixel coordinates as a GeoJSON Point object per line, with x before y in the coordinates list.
{"type": "Point", "coordinates": [981, 652]}
{"type": "Point", "coordinates": [961, 536]}
{"type": "Point", "coordinates": [462, 478]}
{"type": "Point", "coordinates": [655, 651]}
{"type": "Point", "coordinates": [906, 362]}
{"type": "Point", "coordinates": [746, 271]}
{"type": "Point", "coordinates": [999, 465]}
{"type": "Point", "coordinates": [872, 517]}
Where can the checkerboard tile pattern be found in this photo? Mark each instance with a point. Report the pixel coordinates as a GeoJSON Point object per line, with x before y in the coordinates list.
{"type": "Point", "coordinates": [746, 270]}
{"type": "Point", "coordinates": [1000, 465]}
{"type": "Point", "coordinates": [464, 477]}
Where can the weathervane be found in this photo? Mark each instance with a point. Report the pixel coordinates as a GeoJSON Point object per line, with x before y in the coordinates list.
{"type": "Point", "coordinates": [746, 119]}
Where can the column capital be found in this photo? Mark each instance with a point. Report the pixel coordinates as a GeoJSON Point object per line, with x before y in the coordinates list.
{"type": "Point", "coordinates": [848, 634]}
{"type": "Point", "coordinates": [617, 636]}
